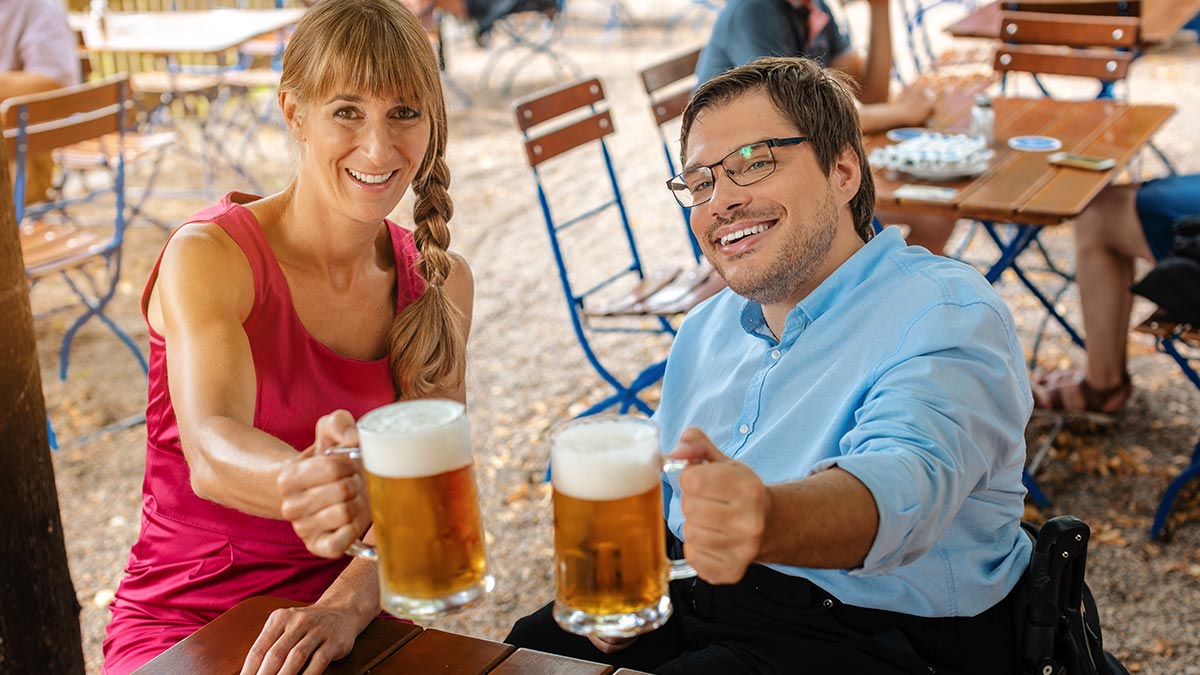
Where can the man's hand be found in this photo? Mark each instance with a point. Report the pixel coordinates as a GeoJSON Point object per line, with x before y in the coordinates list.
{"type": "Point", "coordinates": [325, 497]}
{"type": "Point", "coordinates": [725, 507]}
{"type": "Point", "coordinates": [611, 645]}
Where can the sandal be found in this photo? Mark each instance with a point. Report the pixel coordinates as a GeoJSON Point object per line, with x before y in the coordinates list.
{"type": "Point", "coordinates": [1069, 394]}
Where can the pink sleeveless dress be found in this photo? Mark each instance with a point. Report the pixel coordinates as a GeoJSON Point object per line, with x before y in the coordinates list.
{"type": "Point", "coordinates": [195, 559]}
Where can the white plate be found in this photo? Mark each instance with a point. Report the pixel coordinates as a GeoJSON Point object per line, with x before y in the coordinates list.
{"type": "Point", "coordinates": [945, 173]}
{"type": "Point", "coordinates": [1034, 143]}
{"type": "Point", "coordinates": [897, 135]}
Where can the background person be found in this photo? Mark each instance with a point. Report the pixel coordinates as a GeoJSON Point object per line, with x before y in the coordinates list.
{"type": "Point", "coordinates": [37, 53]}
{"type": "Point", "coordinates": [265, 314]}
{"type": "Point", "coordinates": [860, 405]}
{"type": "Point", "coordinates": [1125, 223]}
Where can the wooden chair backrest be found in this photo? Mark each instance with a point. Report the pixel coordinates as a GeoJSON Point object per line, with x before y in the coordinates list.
{"type": "Point", "coordinates": [658, 78]}
{"type": "Point", "coordinates": [1075, 45]}
{"type": "Point", "coordinates": [1091, 7]}
{"type": "Point", "coordinates": [61, 117]}
{"type": "Point", "coordinates": [547, 106]}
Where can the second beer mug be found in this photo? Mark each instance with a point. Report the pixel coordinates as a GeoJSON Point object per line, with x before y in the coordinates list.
{"type": "Point", "coordinates": [425, 506]}
{"type": "Point", "coordinates": [611, 568]}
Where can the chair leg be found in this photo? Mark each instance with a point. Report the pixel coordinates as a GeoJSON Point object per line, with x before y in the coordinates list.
{"type": "Point", "coordinates": [95, 307]}
{"type": "Point", "coordinates": [1158, 529]}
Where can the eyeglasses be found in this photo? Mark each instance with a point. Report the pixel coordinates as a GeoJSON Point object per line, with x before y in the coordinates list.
{"type": "Point", "coordinates": [745, 166]}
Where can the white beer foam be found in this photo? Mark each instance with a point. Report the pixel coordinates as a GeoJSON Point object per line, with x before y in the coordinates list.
{"type": "Point", "coordinates": [411, 439]}
{"type": "Point", "coordinates": [607, 459]}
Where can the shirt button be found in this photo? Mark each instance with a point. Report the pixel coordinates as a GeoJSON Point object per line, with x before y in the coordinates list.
{"type": "Point", "coordinates": [745, 428]}
{"type": "Point", "coordinates": [775, 354]}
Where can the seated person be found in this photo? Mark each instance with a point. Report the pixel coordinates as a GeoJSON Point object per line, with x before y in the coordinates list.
{"type": "Point", "coordinates": [860, 503]}
{"type": "Point", "coordinates": [860, 406]}
{"type": "Point", "coordinates": [1123, 224]}
{"type": "Point", "coordinates": [267, 313]}
{"type": "Point", "coordinates": [748, 29]}
{"type": "Point", "coordinates": [37, 53]}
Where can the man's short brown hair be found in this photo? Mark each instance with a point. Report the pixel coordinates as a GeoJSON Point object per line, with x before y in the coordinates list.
{"type": "Point", "coordinates": [820, 102]}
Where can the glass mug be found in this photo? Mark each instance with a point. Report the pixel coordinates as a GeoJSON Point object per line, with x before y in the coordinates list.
{"type": "Point", "coordinates": [610, 562]}
{"type": "Point", "coordinates": [425, 508]}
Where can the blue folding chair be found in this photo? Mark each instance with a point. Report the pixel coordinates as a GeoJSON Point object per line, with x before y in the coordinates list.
{"type": "Point", "coordinates": [46, 122]}
{"type": "Point", "coordinates": [669, 85]}
{"type": "Point", "coordinates": [620, 296]}
{"type": "Point", "coordinates": [1182, 343]}
{"type": "Point", "coordinates": [915, 15]}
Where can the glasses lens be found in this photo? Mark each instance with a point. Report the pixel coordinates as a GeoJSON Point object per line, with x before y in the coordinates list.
{"type": "Point", "coordinates": [751, 163]}
{"type": "Point", "coordinates": [693, 186]}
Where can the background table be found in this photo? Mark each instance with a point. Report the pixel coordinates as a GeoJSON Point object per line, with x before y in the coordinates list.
{"type": "Point", "coordinates": [1160, 18]}
{"type": "Point", "coordinates": [1022, 187]}
{"type": "Point", "coordinates": [204, 32]}
{"type": "Point", "coordinates": [386, 647]}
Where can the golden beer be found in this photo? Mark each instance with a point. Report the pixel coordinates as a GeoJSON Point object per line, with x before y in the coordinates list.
{"type": "Point", "coordinates": [425, 507]}
{"type": "Point", "coordinates": [428, 533]}
{"type": "Point", "coordinates": [609, 554]}
{"type": "Point", "coordinates": [611, 568]}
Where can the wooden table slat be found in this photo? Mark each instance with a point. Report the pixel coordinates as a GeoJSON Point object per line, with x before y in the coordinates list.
{"type": "Point", "coordinates": [220, 648]}
{"type": "Point", "coordinates": [1016, 176]}
{"type": "Point", "coordinates": [530, 662]}
{"type": "Point", "coordinates": [435, 651]}
{"type": "Point", "coordinates": [1079, 184]}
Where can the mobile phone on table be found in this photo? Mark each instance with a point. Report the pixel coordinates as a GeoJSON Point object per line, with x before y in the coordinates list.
{"type": "Point", "coordinates": [1077, 161]}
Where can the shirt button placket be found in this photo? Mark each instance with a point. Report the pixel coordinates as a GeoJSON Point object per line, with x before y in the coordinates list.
{"type": "Point", "coordinates": [744, 429]}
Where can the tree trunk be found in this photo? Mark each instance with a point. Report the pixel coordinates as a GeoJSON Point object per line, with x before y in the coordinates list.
{"type": "Point", "coordinates": [39, 614]}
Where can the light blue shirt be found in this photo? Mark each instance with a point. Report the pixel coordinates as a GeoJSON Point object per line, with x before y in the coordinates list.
{"type": "Point", "coordinates": [902, 368]}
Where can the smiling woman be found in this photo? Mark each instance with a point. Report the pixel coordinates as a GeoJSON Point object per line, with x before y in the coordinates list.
{"type": "Point", "coordinates": [264, 315]}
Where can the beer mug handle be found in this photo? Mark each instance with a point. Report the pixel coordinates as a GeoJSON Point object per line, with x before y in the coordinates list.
{"type": "Point", "coordinates": [357, 549]}
{"type": "Point", "coordinates": [680, 569]}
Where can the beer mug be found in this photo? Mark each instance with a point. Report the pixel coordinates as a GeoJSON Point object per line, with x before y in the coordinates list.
{"type": "Point", "coordinates": [425, 507]}
{"type": "Point", "coordinates": [610, 563]}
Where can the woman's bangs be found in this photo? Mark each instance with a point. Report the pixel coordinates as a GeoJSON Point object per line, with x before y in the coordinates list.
{"type": "Point", "coordinates": [382, 68]}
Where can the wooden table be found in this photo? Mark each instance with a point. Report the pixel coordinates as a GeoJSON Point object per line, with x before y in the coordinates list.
{"type": "Point", "coordinates": [386, 647]}
{"type": "Point", "coordinates": [205, 32]}
{"type": "Point", "coordinates": [1160, 18]}
{"type": "Point", "coordinates": [1022, 187]}
{"type": "Point", "coordinates": [211, 34]}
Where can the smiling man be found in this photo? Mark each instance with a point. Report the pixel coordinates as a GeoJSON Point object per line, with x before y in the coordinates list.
{"type": "Point", "coordinates": [858, 407]}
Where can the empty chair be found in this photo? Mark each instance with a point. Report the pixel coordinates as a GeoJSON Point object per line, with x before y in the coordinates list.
{"type": "Point", "coordinates": [669, 85]}
{"type": "Point", "coordinates": [613, 283]}
{"type": "Point", "coordinates": [88, 259]}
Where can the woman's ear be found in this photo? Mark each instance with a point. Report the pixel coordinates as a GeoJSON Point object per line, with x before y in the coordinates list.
{"type": "Point", "coordinates": [290, 106]}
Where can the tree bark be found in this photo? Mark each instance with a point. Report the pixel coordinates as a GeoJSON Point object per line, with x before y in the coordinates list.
{"type": "Point", "coordinates": [39, 613]}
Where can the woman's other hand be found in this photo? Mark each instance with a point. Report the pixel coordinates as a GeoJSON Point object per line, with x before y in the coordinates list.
{"type": "Point", "coordinates": [325, 496]}
{"type": "Point", "coordinates": [291, 638]}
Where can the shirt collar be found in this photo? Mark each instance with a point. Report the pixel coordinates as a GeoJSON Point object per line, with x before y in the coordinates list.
{"type": "Point", "coordinates": [844, 279]}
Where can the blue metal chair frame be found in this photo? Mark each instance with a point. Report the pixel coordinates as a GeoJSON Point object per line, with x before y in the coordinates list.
{"type": "Point", "coordinates": [534, 46]}
{"type": "Point", "coordinates": [914, 24]}
{"type": "Point", "coordinates": [1166, 344]}
{"type": "Point", "coordinates": [625, 395]}
{"type": "Point", "coordinates": [95, 298]}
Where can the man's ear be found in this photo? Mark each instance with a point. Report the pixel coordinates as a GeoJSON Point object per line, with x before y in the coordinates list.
{"type": "Point", "coordinates": [846, 175]}
{"type": "Point", "coordinates": [290, 106]}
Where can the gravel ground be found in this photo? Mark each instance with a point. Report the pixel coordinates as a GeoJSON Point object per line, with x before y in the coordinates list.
{"type": "Point", "coordinates": [527, 372]}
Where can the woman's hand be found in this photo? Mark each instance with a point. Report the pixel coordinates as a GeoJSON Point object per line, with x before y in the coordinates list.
{"type": "Point", "coordinates": [316, 635]}
{"type": "Point", "coordinates": [325, 496]}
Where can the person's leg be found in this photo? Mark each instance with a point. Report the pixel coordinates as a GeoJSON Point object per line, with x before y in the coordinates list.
{"type": "Point", "coordinates": [1108, 239]}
